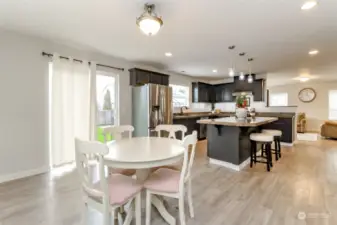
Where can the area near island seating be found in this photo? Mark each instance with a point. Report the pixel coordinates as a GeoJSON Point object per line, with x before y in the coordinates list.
{"type": "Point", "coordinates": [228, 142]}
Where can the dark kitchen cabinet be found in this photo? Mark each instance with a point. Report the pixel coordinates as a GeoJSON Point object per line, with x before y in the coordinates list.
{"type": "Point", "coordinates": [165, 80]}
{"type": "Point", "coordinates": [243, 85]}
{"type": "Point", "coordinates": [223, 92]}
{"type": "Point", "coordinates": [227, 95]}
{"type": "Point", "coordinates": [218, 92]}
{"type": "Point", "coordinates": [259, 90]}
{"type": "Point", "coordinates": [201, 92]}
{"type": "Point", "coordinates": [140, 77]}
{"type": "Point", "coordinates": [155, 78]}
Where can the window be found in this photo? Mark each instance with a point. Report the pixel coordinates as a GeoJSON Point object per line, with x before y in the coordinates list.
{"type": "Point", "coordinates": [278, 99]}
{"type": "Point", "coordinates": [333, 104]}
{"type": "Point", "coordinates": [180, 95]}
{"type": "Point", "coordinates": [107, 103]}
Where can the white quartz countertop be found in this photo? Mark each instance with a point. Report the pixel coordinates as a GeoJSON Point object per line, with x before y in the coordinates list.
{"type": "Point", "coordinates": [232, 121]}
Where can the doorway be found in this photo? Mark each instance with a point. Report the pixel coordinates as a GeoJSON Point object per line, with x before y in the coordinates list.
{"type": "Point", "coordinates": [107, 93]}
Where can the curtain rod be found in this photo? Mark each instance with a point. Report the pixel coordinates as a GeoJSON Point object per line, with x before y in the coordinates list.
{"type": "Point", "coordinates": [77, 60]}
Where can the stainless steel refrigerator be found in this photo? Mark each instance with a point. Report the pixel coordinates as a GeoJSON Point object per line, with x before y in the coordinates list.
{"type": "Point", "coordinates": [151, 106]}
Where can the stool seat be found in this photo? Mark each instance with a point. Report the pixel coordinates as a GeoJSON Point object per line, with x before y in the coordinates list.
{"type": "Point", "coordinates": [261, 137]}
{"type": "Point", "coordinates": [276, 133]}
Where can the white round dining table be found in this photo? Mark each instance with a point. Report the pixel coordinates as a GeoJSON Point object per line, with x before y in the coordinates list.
{"type": "Point", "coordinates": [142, 154]}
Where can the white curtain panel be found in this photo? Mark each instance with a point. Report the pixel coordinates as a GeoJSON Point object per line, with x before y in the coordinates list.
{"type": "Point", "coordinates": [73, 87]}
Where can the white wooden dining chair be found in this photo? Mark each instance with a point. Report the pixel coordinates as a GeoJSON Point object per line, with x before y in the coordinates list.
{"type": "Point", "coordinates": [171, 129]}
{"type": "Point", "coordinates": [171, 183]}
{"type": "Point", "coordinates": [117, 132]}
{"type": "Point", "coordinates": [109, 193]}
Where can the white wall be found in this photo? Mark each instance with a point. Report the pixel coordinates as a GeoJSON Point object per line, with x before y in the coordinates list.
{"type": "Point", "coordinates": [24, 100]}
{"type": "Point", "coordinates": [318, 110]}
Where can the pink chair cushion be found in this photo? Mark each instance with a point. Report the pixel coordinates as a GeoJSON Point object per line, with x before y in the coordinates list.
{"type": "Point", "coordinates": [163, 180]}
{"type": "Point", "coordinates": [121, 188]}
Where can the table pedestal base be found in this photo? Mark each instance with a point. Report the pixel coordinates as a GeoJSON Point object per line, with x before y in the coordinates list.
{"type": "Point", "coordinates": [156, 201]}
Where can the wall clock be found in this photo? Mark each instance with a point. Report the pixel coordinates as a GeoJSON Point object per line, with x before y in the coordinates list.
{"type": "Point", "coordinates": [307, 95]}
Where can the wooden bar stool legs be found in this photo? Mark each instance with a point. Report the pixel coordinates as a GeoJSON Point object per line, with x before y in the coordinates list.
{"type": "Point", "coordinates": [266, 140]}
{"type": "Point", "coordinates": [268, 155]}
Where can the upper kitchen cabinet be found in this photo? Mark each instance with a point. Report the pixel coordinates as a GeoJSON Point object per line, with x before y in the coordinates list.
{"type": "Point", "coordinates": [243, 85]}
{"type": "Point", "coordinates": [259, 90]}
{"type": "Point", "coordinates": [140, 77]}
{"type": "Point", "coordinates": [227, 92]}
{"type": "Point", "coordinates": [201, 92]}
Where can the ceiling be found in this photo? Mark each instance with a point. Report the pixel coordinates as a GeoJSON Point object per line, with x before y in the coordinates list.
{"type": "Point", "coordinates": [276, 33]}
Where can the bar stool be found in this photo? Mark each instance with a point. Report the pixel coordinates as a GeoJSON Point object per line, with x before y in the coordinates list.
{"type": "Point", "coordinates": [264, 139]}
{"type": "Point", "coordinates": [277, 140]}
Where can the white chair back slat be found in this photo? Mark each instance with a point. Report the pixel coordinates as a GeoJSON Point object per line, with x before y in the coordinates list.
{"type": "Point", "coordinates": [84, 151]}
{"type": "Point", "coordinates": [189, 142]}
{"type": "Point", "coordinates": [171, 129]}
{"type": "Point", "coordinates": [118, 131]}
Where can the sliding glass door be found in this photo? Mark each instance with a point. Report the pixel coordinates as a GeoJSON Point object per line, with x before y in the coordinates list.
{"type": "Point", "coordinates": [107, 90]}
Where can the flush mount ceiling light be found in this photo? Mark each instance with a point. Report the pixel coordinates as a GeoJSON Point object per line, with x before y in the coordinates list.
{"type": "Point", "coordinates": [309, 5]}
{"type": "Point", "coordinates": [231, 70]}
{"type": "Point", "coordinates": [214, 71]}
{"type": "Point", "coordinates": [250, 77]}
{"type": "Point", "coordinates": [149, 22]}
{"type": "Point", "coordinates": [168, 54]}
{"type": "Point", "coordinates": [313, 52]}
{"type": "Point", "coordinates": [304, 79]}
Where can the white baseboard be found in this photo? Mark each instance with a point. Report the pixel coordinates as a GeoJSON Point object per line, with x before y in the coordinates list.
{"type": "Point", "coordinates": [287, 144]}
{"type": "Point", "coordinates": [23, 174]}
{"type": "Point", "coordinates": [230, 165]}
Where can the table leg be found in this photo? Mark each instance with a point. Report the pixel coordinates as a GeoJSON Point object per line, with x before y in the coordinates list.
{"type": "Point", "coordinates": [158, 203]}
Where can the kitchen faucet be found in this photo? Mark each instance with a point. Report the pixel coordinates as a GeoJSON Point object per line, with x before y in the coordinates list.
{"type": "Point", "coordinates": [181, 109]}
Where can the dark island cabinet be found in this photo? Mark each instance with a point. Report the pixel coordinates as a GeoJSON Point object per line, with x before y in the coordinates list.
{"type": "Point", "coordinates": [191, 125]}
{"type": "Point", "coordinates": [140, 77]}
{"type": "Point", "coordinates": [286, 126]}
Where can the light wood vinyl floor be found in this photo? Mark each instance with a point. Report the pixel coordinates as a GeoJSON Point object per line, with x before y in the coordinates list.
{"type": "Point", "coordinates": [305, 179]}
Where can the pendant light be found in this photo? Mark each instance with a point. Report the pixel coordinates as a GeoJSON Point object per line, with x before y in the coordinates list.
{"type": "Point", "coordinates": [242, 74]}
{"type": "Point", "coordinates": [250, 77]}
{"type": "Point", "coordinates": [149, 22]}
{"type": "Point", "coordinates": [231, 70]}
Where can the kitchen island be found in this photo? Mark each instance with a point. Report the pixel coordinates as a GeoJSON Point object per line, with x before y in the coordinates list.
{"type": "Point", "coordinates": [228, 142]}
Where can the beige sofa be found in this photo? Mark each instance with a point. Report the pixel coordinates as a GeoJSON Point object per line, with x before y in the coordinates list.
{"type": "Point", "coordinates": [329, 129]}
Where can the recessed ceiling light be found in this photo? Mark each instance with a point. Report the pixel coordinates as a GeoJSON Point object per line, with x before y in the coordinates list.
{"type": "Point", "coordinates": [168, 54]}
{"type": "Point", "coordinates": [215, 71]}
{"type": "Point", "coordinates": [313, 52]}
{"type": "Point", "coordinates": [309, 5]}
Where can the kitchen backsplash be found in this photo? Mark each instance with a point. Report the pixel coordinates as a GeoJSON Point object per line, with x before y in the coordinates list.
{"type": "Point", "coordinates": [196, 107]}
{"type": "Point", "coordinates": [259, 107]}
{"type": "Point", "coordinates": [230, 107]}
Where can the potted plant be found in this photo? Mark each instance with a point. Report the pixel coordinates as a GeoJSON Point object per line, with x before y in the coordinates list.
{"type": "Point", "coordinates": [241, 107]}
